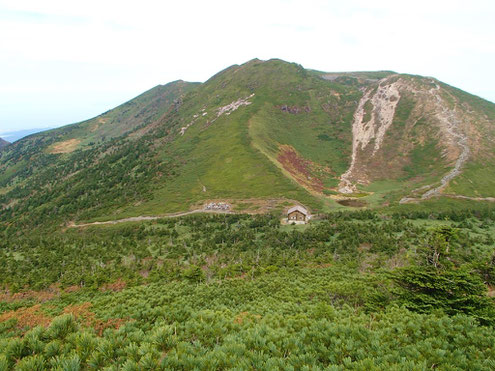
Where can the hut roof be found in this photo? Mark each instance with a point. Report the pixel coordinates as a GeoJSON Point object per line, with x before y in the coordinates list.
{"type": "Point", "coordinates": [298, 208]}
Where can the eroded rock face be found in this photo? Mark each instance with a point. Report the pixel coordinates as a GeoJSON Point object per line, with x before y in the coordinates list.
{"type": "Point", "coordinates": [373, 117]}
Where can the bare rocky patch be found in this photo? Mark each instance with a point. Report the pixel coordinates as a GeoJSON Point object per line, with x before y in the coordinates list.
{"type": "Point", "coordinates": [224, 110]}
{"type": "Point", "coordinates": [369, 128]}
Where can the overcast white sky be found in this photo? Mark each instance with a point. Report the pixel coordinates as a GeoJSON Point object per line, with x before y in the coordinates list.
{"type": "Point", "coordinates": [66, 61]}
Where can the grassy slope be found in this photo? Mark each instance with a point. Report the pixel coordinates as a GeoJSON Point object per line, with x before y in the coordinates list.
{"type": "Point", "coordinates": [223, 157]}
{"type": "Point", "coordinates": [320, 137]}
{"type": "Point", "coordinates": [222, 160]}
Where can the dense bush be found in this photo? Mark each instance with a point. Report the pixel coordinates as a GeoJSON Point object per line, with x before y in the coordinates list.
{"type": "Point", "coordinates": [237, 291]}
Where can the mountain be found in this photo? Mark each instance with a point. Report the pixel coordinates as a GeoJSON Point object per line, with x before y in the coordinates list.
{"type": "Point", "coordinates": [3, 143]}
{"type": "Point", "coordinates": [260, 136]}
{"type": "Point", "coordinates": [402, 276]}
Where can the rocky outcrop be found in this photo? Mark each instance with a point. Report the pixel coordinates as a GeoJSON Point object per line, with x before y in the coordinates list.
{"type": "Point", "coordinates": [217, 206]}
{"type": "Point", "coordinates": [227, 110]}
{"type": "Point", "coordinates": [295, 109]}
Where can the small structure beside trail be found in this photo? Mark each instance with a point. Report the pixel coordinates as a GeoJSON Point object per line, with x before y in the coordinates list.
{"type": "Point", "coordinates": [217, 206]}
{"type": "Point", "coordinates": [298, 215]}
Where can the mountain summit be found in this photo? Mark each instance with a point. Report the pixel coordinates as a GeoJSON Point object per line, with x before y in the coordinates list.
{"type": "Point", "coordinates": [258, 136]}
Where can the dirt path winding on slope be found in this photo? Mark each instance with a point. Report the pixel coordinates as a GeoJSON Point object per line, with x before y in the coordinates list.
{"type": "Point", "coordinates": [155, 217]}
{"type": "Point", "coordinates": [451, 127]}
{"type": "Point", "coordinates": [251, 206]}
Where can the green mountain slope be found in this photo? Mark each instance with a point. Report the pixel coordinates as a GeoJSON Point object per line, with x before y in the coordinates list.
{"type": "Point", "coordinates": [261, 135]}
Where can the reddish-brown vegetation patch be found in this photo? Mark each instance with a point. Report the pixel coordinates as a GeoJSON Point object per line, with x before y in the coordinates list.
{"type": "Point", "coordinates": [30, 317]}
{"type": "Point", "coordinates": [87, 318]}
{"type": "Point", "coordinates": [116, 286]}
{"type": "Point", "coordinates": [72, 288]}
{"type": "Point", "coordinates": [44, 295]}
{"type": "Point", "coordinates": [27, 317]}
{"type": "Point", "coordinates": [300, 169]}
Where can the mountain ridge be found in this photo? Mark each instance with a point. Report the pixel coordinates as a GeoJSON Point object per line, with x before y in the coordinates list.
{"type": "Point", "coordinates": [257, 131]}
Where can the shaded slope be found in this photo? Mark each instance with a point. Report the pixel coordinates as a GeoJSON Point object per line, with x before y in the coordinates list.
{"type": "Point", "coordinates": [3, 143]}
{"type": "Point", "coordinates": [42, 183]}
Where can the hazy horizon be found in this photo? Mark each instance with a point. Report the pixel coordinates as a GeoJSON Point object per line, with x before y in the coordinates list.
{"type": "Point", "coordinates": [13, 136]}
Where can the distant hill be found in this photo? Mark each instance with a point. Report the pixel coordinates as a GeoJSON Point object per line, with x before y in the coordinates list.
{"type": "Point", "coordinates": [260, 136]}
{"type": "Point", "coordinates": [14, 136]}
